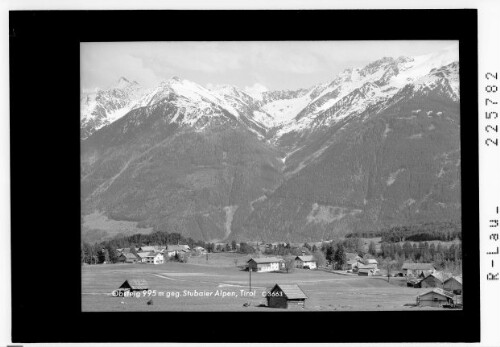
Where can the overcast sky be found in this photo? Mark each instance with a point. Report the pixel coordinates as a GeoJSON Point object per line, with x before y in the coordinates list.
{"type": "Point", "coordinates": [270, 65]}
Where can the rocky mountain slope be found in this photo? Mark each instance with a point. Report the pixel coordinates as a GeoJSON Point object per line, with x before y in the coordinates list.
{"type": "Point", "coordinates": [376, 146]}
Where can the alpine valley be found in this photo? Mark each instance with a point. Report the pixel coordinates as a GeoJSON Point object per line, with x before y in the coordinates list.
{"type": "Point", "coordinates": [374, 147]}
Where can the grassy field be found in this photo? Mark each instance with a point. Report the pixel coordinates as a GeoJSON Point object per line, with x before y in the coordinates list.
{"type": "Point", "coordinates": [225, 288]}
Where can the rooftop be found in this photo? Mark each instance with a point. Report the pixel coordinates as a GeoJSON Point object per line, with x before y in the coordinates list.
{"type": "Point", "coordinates": [417, 266]}
{"type": "Point", "coordinates": [266, 260]}
{"type": "Point", "coordinates": [305, 258]}
{"type": "Point", "coordinates": [291, 291]}
{"type": "Point", "coordinates": [440, 292]}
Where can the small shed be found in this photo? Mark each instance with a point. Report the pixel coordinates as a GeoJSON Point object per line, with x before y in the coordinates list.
{"type": "Point", "coordinates": [286, 295]}
{"type": "Point", "coordinates": [134, 285]}
{"type": "Point", "coordinates": [454, 285]}
{"type": "Point", "coordinates": [436, 297]}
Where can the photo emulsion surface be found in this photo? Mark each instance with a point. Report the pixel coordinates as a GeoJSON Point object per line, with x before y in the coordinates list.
{"type": "Point", "coordinates": [271, 176]}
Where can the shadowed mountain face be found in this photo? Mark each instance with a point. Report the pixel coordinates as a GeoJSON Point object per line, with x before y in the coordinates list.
{"type": "Point", "coordinates": [377, 146]}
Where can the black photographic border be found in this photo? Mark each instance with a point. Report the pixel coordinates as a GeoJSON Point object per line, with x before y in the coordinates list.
{"type": "Point", "coordinates": [45, 175]}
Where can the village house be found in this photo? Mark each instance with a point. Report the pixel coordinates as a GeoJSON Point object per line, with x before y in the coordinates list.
{"type": "Point", "coordinates": [371, 262]}
{"type": "Point", "coordinates": [173, 250]}
{"type": "Point", "coordinates": [285, 295]}
{"type": "Point", "coordinates": [433, 280]}
{"type": "Point", "coordinates": [305, 262]}
{"type": "Point", "coordinates": [200, 250]}
{"type": "Point", "coordinates": [266, 264]}
{"type": "Point", "coordinates": [142, 256]}
{"type": "Point", "coordinates": [353, 265]}
{"type": "Point", "coordinates": [154, 258]}
{"type": "Point", "coordinates": [133, 285]}
{"type": "Point", "coordinates": [436, 297]}
{"type": "Point", "coordinates": [454, 285]}
{"type": "Point", "coordinates": [417, 269]}
{"type": "Point", "coordinates": [128, 258]}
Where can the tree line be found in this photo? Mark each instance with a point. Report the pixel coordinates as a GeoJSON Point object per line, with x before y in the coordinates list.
{"type": "Point", "coordinates": [430, 231]}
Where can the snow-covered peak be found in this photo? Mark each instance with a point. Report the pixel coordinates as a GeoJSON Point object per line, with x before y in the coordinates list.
{"type": "Point", "coordinates": [124, 83]}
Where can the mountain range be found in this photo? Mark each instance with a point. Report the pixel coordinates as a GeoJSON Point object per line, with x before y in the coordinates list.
{"type": "Point", "coordinates": [374, 147]}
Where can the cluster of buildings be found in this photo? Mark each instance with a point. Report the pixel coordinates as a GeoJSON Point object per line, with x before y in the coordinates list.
{"type": "Point", "coordinates": [270, 264]}
{"type": "Point", "coordinates": [445, 289]}
{"type": "Point", "coordinates": [154, 254]}
{"type": "Point", "coordinates": [363, 267]}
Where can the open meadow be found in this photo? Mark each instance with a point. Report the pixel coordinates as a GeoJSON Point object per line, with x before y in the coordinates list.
{"type": "Point", "coordinates": [218, 285]}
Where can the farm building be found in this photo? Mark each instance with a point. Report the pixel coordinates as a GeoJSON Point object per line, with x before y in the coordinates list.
{"type": "Point", "coordinates": [305, 262]}
{"type": "Point", "coordinates": [371, 262]}
{"type": "Point", "coordinates": [416, 269]}
{"type": "Point", "coordinates": [434, 280]}
{"type": "Point", "coordinates": [436, 297]}
{"type": "Point", "coordinates": [128, 258]}
{"type": "Point", "coordinates": [286, 295]}
{"type": "Point", "coordinates": [353, 265]}
{"type": "Point", "coordinates": [172, 250]}
{"type": "Point", "coordinates": [266, 264]}
{"type": "Point", "coordinates": [366, 272]}
{"type": "Point", "coordinates": [454, 285]}
{"type": "Point", "coordinates": [134, 285]}
{"type": "Point", "coordinates": [142, 256]}
{"type": "Point", "coordinates": [153, 258]}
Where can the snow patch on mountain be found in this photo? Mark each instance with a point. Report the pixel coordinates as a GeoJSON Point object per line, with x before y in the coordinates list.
{"type": "Point", "coordinates": [230, 210]}
{"type": "Point", "coordinates": [393, 176]}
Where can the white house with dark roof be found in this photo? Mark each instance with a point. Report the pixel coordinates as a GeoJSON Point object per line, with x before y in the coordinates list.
{"type": "Point", "coordinates": [268, 264]}
{"type": "Point", "coordinates": [305, 261]}
{"type": "Point", "coordinates": [153, 258]}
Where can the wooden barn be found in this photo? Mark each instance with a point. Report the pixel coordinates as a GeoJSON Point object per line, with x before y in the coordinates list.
{"type": "Point", "coordinates": [454, 285]}
{"type": "Point", "coordinates": [266, 264]}
{"type": "Point", "coordinates": [434, 280]}
{"type": "Point", "coordinates": [436, 297]}
{"type": "Point", "coordinates": [134, 285]}
{"type": "Point", "coordinates": [285, 296]}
